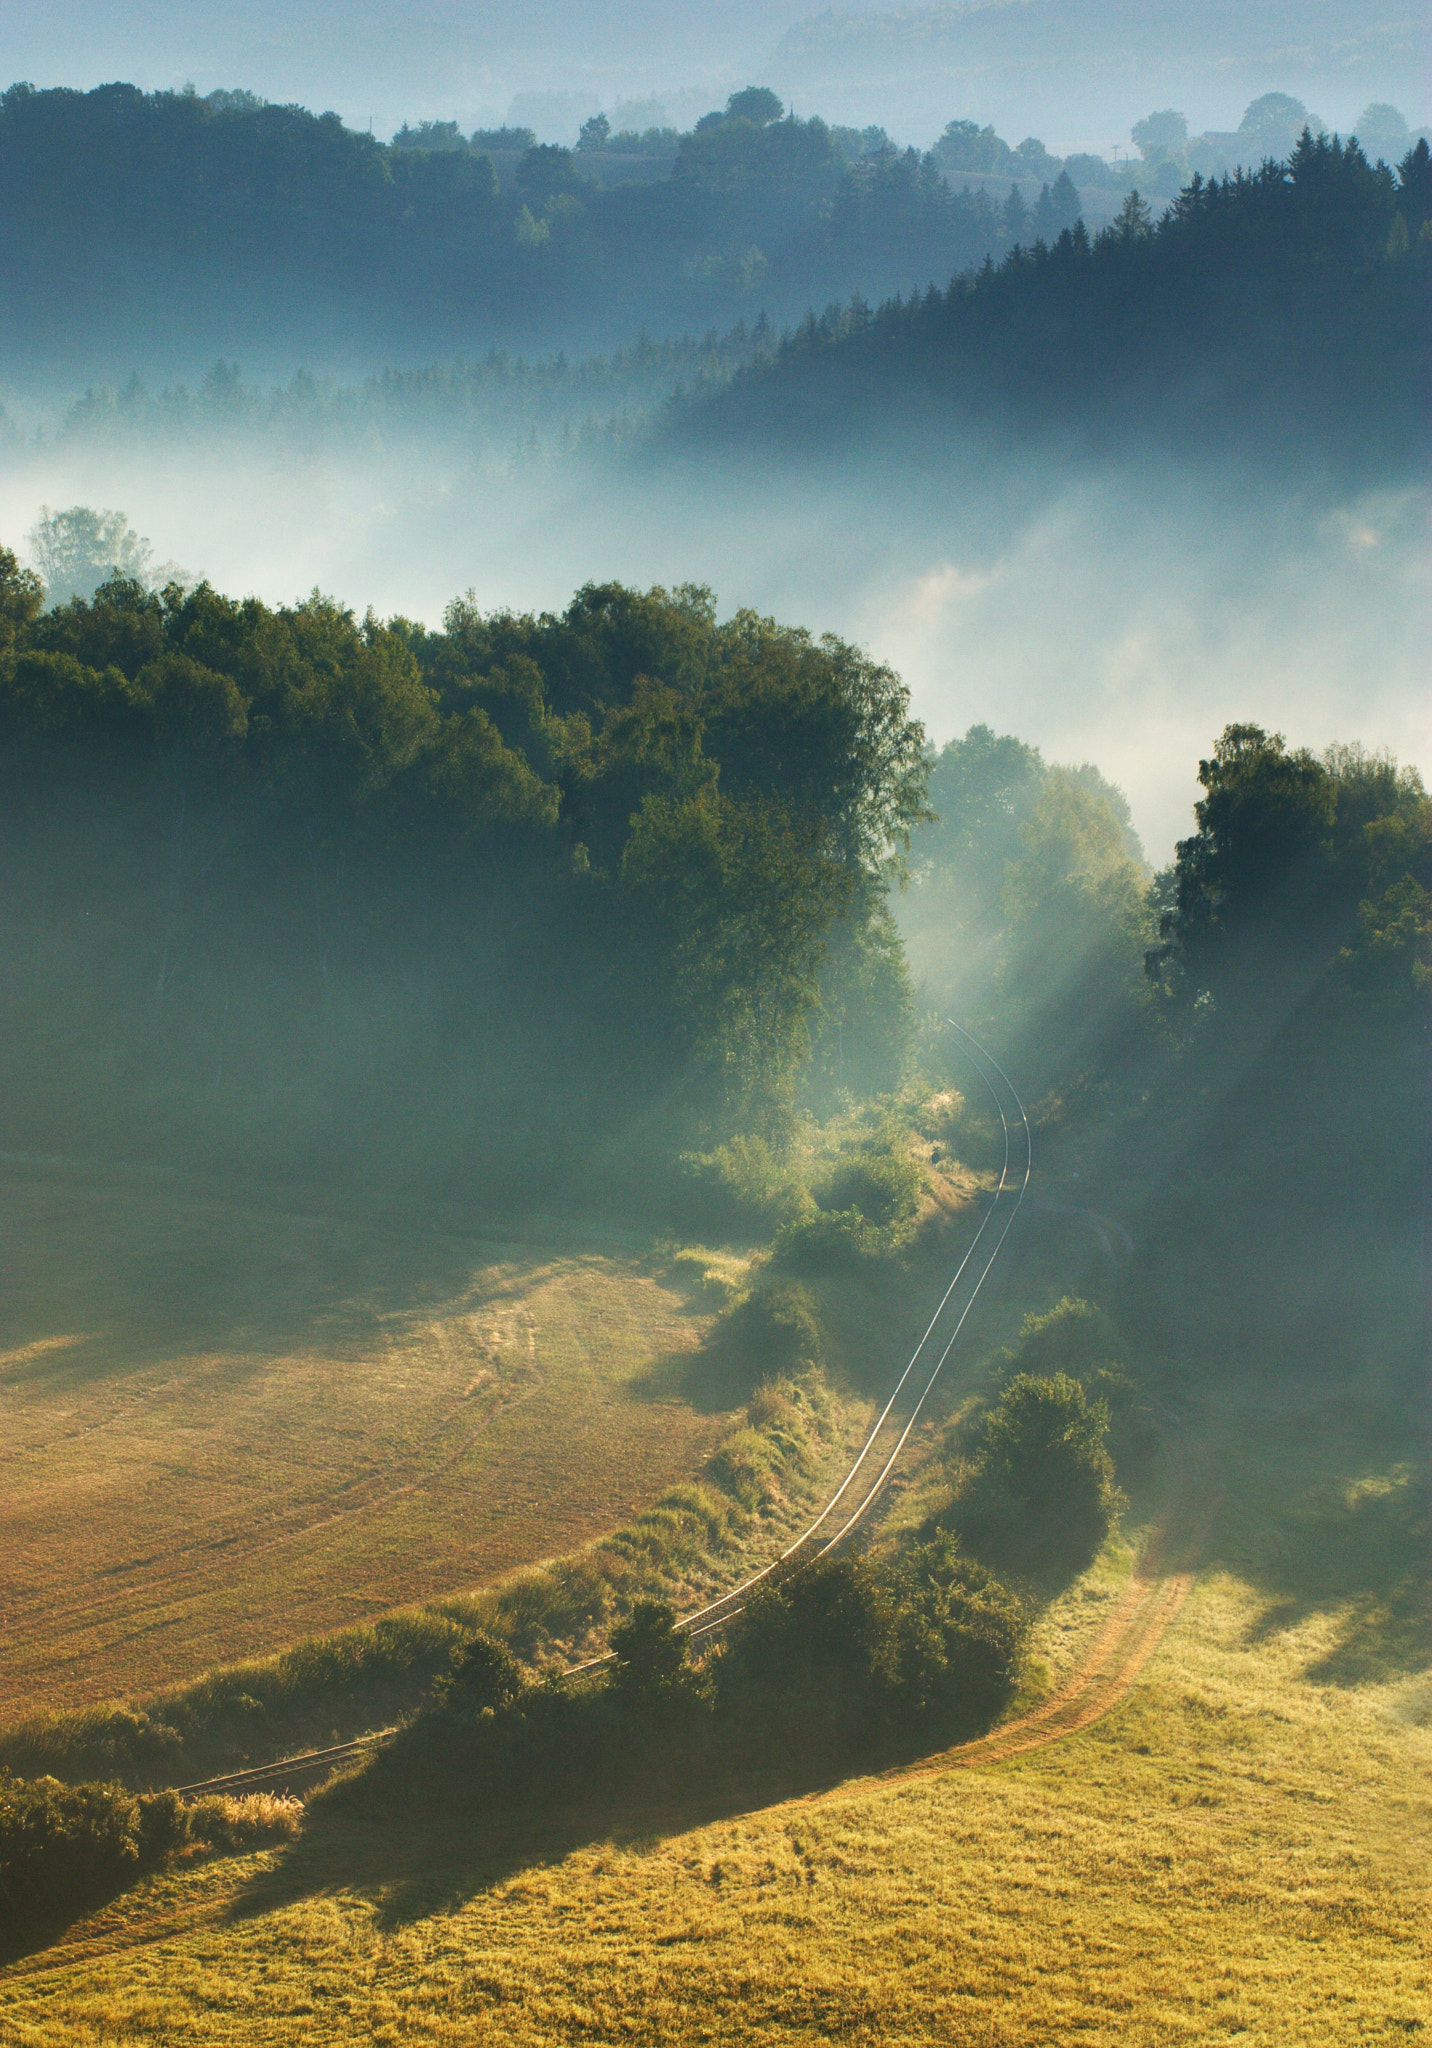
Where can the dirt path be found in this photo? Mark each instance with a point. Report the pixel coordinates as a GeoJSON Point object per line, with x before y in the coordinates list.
{"type": "Point", "coordinates": [1106, 1672]}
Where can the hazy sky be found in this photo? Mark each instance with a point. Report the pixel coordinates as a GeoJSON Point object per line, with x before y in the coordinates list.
{"type": "Point", "coordinates": [1076, 72]}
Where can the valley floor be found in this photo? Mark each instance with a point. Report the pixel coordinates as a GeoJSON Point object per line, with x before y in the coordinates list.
{"type": "Point", "coordinates": [1236, 1849]}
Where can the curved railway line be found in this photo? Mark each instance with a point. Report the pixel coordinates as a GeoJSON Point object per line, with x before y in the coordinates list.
{"type": "Point", "coordinates": [861, 1488]}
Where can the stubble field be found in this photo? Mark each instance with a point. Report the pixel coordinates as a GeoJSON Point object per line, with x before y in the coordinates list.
{"type": "Point", "coordinates": [228, 1421]}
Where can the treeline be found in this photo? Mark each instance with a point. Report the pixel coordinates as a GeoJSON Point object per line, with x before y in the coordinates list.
{"type": "Point", "coordinates": [306, 892]}
{"type": "Point", "coordinates": [1285, 309]}
{"type": "Point", "coordinates": [505, 411]}
{"type": "Point", "coordinates": [183, 224]}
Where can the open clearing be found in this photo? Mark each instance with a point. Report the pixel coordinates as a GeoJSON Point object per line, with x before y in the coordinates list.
{"type": "Point", "coordinates": [1234, 1850]}
{"type": "Point", "coordinates": [228, 1421]}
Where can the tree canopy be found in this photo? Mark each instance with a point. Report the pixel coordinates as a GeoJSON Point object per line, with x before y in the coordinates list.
{"type": "Point", "coordinates": [279, 813]}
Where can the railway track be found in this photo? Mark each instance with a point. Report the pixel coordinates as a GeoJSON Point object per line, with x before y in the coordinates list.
{"type": "Point", "coordinates": [851, 1506]}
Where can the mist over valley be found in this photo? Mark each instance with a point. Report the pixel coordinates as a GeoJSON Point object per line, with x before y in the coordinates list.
{"type": "Point", "coordinates": [715, 957]}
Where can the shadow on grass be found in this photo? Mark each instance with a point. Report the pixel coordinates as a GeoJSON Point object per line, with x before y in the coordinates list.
{"type": "Point", "coordinates": [109, 1274]}
{"type": "Point", "coordinates": [1341, 1526]}
{"type": "Point", "coordinates": [424, 1855]}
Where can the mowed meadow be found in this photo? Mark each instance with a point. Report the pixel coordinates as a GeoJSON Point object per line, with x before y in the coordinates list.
{"type": "Point", "coordinates": [1234, 1850]}
{"type": "Point", "coordinates": [230, 1419]}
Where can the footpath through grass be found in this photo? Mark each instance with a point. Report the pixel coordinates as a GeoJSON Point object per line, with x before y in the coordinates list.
{"type": "Point", "coordinates": [1236, 1851]}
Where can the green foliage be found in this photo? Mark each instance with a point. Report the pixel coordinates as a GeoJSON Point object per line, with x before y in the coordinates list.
{"type": "Point", "coordinates": [884, 1185]}
{"type": "Point", "coordinates": [1042, 1493]}
{"type": "Point", "coordinates": [66, 1848]}
{"type": "Point", "coordinates": [653, 1678]}
{"type": "Point", "coordinates": [773, 1333]}
{"type": "Point", "coordinates": [610, 846]}
{"type": "Point", "coordinates": [1075, 1338]}
{"type": "Point", "coordinates": [963, 1635]}
{"type": "Point", "coordinates": [485, 1677]}
{"type": "Point", "coordinates": [1031, 902]}
{"type": "Point", "coordinates": [839, 1653]}
{"type": "Point", "coordinates": [1300, 864]}
{"type": "Point", "coordinates": [743, 1188]}
{"type": "Point", "coordinates": [1130, 332]}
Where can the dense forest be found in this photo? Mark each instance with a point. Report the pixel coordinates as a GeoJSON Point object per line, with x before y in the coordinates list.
{"type": "Point", "coordinates": [319, 893]}
{"type": "Point", "coordinates": [1286, 308]}
{"type": "Point", "coordinates": [154, 226]}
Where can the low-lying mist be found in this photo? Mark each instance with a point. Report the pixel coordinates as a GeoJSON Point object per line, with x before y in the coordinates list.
{"type": "Point", "coordinates": [1120, 612]}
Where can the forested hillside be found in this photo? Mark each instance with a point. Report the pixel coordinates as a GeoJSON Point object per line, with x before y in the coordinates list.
{"type": "Point", "coordinates": [313, 893]}
{"type": "Point", "coordinates": [1286, 310]}
{"type": "Point", "coordinates": [161, 228]}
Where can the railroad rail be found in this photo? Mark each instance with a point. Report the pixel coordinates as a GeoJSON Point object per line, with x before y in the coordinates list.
{"type": "Point", "coordinates": [863, 1484]}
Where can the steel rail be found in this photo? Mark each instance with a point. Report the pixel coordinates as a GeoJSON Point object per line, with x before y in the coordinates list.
{"type": "Point", "coordinates": [704, 1621]}
{"type": "Point", "coordinates": [890, 1462]}
{"type": "Point", "coordinates": [253, 1776]}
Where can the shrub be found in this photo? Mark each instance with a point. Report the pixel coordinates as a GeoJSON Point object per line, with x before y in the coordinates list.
{"type": "Point", "coordinates": [964, 1635]}
{"type": "Point", "coordinates": [653, 1680]}
{"type": "Point", "coordinates": [1074, 1337]}
{"type": "Point", "coordinates": [1080, 1339]}
{"type": "Point", "coordinates": [485, 1676]}
{"type": "Point", "coordinates": [814, 1660]}
{"type": "Point", "coordinates": [839, 1653]}
{"type": "Point", "coordinates": [744, 1189]}
{"type": "Point", "coordinates": [883, 1186]}
{"type": "Point", "coordinates": [1043, 1485]}
{"type": "Point", "coordinates": [973, 1135]}
{"type": "Point", "coordinates": [773, 1333]}
{"type": "Point", "coordinates": [867, 1203]}
{"type": "Point", "coordinates": [66, 1848]}
{"type": "Point", "coordinates": [826, 1240]}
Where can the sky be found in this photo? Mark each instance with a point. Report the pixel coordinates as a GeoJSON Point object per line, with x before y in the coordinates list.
{"type": "Point", "coordinates": [1075, 72]}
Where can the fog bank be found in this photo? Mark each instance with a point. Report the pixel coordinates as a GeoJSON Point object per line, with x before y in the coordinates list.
{"type": "Point", "coordinates": [1114, 614]}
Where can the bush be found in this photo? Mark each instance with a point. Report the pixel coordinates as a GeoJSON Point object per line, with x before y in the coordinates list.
{"type": "Point", "coordinates": [963, 1643]}
{"type": "Point", "coordinates": [66, 1848]}
{"type": "Point", "coordinates": [653, 1680]}
{"type": "Point", "coordinates": [1075, 1338]}
{"type": "Point", "coordinates": [743, 1189]}
{"type": "Point", "coordinates": [883, 1186]}
{"type": "Point", "coordinates": [1043, 1486]}
{"type": "Point", "coordinates": [485, 1676]}
{"type": "Point", "coordinates": [775, 1333]}
{"type": "Point", "coordinates": [839, 1654]}
{"type": "Point", "coordinates": [814, 1660]}
{"type": "Point", "coordinates": [1080, 1339]}
{"type": "Point", "coordinates": [827, 1240]}
{"type": "Point", "coordinates": [867, 1202]}
{"type": "Point", "coordinates": [973, 1135]}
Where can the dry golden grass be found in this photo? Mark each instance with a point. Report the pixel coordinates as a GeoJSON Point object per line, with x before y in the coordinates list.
{"type": "Point", "coordinates": [1236, 1851]}
{"type": "Point", "coordinates": [226, 1423]}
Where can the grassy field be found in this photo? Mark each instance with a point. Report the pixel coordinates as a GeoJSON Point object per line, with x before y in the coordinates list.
{"type": "Point", "coordinates": [252, 1420]}
{"type": "Point", "coordinates": [1235, 1850]}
